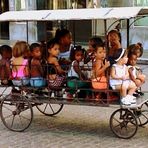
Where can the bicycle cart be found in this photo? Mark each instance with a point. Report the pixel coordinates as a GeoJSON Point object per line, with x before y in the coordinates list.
{"type": "Point", "coordinates": [16, 109]}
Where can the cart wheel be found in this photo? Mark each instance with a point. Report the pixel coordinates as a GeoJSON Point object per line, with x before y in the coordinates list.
{"type": "Point", "coordinates": [49, 109]}
{"type": "Point", "coordinates": [16, 112]}
{"type": "Point", "coordinates": [142, 114]}
{"type": "Point", "coordinates": [123, 123]}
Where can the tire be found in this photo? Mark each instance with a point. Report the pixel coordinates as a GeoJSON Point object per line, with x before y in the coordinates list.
{"type": "Point", "coordinates": [123, 123]}
{"type": "Point", "coordinates": [16, 112]}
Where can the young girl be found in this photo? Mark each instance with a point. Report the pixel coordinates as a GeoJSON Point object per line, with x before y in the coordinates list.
{"type": "Point", "coordinates": [75, 75]}
{"type": "Point", "coordinates": [56, 75]}
{"type": "Point", "coordinates": [20, 69]}
{"type": "Point", "coordinates": [135, 73]}
{"type": "Point", "coordinates": [119, 78]}
{"type": "Point", "coordinates": [90, 55]}
{"type": "Point", "coordinates": [99, 80]}
{"type": "Point", "coordinates": [36, 67]}
{"type": "Point", "coordinates": [136, 49]}
{"type": "Point", "coordinates": [5, 71]}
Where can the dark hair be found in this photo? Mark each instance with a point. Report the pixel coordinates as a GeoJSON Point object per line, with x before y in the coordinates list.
{"type": "Point", "coordinates": [75, 49]}
{"type": "Point", "coordinates": [61, 33]}
{"type": "Point", "coordinates": [119, 52]}
{"type": "Point", "coordinates": [116, 32]}
{"type": "Point", "coordinates": [52, 42]}
{"type": "Point", "coordinates": [133, 47]}
{"type": "Point", "coordinates": [5, 48]}
{"type": "Point", "coordinates": [99, 45]}
{"type": "Point", "coordinates": [33, 46]}
{"type": "Point", "coordinates": [96, 41]}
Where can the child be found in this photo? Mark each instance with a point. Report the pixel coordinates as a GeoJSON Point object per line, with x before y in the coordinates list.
{"type": "Point", "coordinates": [100, 64]}
{"type": "Point", "coordinates": [89, 58]}
{"type": "Point", "coordinates": [75, 75]}
{"type": "Point", "coordinates": [99, 80]}
{"type": "Point", "coordinates": [5, 71]}
{"type": "Point", "coordinates": [20, 70]}
{"type": "Point", "coordinates": [135, 73]}
{"type": "Point", "coordinates": [36, 67]}
{"type": "Point", "coordinates": [119, 78]}
{"type": "Point", "coordinates": [93, 42]}
{"type": "Point", "coordinates": [136, 49]}
{"type": "Point", "coordinates": [55, 74]}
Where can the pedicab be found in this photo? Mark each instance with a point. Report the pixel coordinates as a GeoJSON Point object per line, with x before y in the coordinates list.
{"type": "Point", "coordinates": [16, 109]}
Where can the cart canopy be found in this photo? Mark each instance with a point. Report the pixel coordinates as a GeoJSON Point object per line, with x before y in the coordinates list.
{"type": "Point", "coordinates": [74, 14]}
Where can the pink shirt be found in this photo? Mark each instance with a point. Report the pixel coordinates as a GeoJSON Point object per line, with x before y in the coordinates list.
{"type": "Point", "coordinates": [20, 72]}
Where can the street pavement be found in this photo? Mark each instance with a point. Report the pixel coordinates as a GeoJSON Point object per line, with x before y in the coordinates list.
{"type": "Point", "coordinates": [74, 127]}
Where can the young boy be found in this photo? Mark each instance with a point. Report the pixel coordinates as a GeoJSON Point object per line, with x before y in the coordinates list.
{"type": "Point", "coordinates": [5, 71]}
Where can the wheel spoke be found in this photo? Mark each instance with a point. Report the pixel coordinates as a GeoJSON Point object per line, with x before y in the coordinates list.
{"type": "Point", "coordinates": [8, 116]}
{"type": "Point", "coordinates": [21, 120]}
{"type": "Point", "coordinates": [7, 108]}
{"type": "Point", "coordinates": [24, 117]}
{"type": "Point", "coordinates": [12, 121]}
{"type": "Point", "coordinates": [116, 120]}
{"type": "Point", "coordinates": [45, 107]}
{"type": "Point", "coordinates": [51, 108]}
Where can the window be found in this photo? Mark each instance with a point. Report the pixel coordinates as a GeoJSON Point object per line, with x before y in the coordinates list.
{"type": "Point", "coordinates": [142, 21]}
{"type": "Point", "coordinates": [4, 26]}
{"type": "Point", "coordinates": [20, 5]}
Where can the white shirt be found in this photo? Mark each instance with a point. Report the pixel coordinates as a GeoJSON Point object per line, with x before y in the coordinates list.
{"type": "Point", "coordinates": [120, 71]}
{"type": "Point", "coordinates": [72, 72]}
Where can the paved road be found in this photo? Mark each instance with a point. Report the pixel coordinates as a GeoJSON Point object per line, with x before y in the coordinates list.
{"type": "Point", "coordinates": [73, 127]}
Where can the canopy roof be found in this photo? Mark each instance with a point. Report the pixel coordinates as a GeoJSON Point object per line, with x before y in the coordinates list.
{"type": "Point", "coordinates": [74, 14]}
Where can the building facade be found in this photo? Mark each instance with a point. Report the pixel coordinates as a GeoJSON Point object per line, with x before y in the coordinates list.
{"type": "Point", "coordinates": [38, 31]}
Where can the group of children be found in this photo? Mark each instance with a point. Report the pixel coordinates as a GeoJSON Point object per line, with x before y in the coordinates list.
{"type": "Point", "coordinates": [24, 65]}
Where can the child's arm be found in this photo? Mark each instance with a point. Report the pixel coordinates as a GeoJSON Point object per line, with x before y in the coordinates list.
{"type": "Point", "coordinates": [99, 69]}
{"type": "Point", "coordinates": [130, 70]}
{"type": "Point", "coordinates": [8, 70]}
{"type": "Point", "coordinates": [58, 67]}
{"type": "Point", "coordinates": [78, 70]}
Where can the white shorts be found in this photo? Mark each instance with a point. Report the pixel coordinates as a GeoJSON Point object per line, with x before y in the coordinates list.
{"type": "Point", "coordinates": [125, 83]}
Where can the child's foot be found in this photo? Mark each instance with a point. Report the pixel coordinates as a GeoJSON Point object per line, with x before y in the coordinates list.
{"type": "Point", "coordinates": [131, 99]}
{"type": "Point", "coordinates": [125, 101]}
{"type": "Point", "coordinates": [139, 92]}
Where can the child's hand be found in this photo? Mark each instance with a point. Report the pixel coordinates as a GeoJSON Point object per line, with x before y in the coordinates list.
{"type": "Point", "coordinates": [106, 64]}
{"type": "Point", "coordinates": [138, 82]}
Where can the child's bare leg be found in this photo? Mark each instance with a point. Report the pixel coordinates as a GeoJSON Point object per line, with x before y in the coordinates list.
{"type": "Point", "coordinates": [132, 88]}
{"type": "Point", "coordinates": [123, 91]}
{"type": "Point", "coordinates": [141, 77]}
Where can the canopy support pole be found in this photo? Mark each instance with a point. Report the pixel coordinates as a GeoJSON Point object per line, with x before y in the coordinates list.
{"type": "Point", "coordinates": [74, 34]}
{"type": "Point", "coordinates": [105, 28]}
{"type": "Point", "coordinates": [27, 33]}
{"type": "Point", "coordinates": [128, 26]}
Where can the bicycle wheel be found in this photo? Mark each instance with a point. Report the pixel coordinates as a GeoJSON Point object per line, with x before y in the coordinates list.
{"type": "Point", "coordinates": [123, 123]}
{"type": "Point", "coordinates": [16, 112]}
